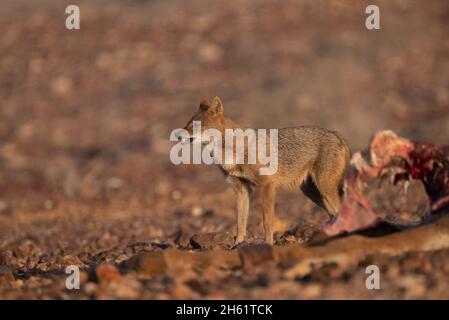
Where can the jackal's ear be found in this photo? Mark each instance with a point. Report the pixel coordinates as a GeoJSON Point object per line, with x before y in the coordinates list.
{"type": "Point", "coordinates": [216, 105]}
{"type": "Point", "coordinates": [204, 105]}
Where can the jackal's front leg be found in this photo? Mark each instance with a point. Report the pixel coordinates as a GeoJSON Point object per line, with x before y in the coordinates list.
{"type": "Point", "coordinates": [242, 191]}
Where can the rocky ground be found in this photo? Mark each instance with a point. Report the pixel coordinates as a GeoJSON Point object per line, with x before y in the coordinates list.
{"type": "Point", "coordinates": [85, 116]}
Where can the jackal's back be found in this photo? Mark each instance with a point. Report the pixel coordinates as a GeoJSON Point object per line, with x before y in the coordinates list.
{"type": "Point", "coordinates": [303, 150]}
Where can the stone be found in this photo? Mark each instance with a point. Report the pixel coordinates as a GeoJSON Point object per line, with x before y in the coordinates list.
{"type": "Point", "coordinates": [208, 241]}
{"type": "Point", "coordinates": [106, 273]}
{"type": "Point", "coordinates": [152, 263]}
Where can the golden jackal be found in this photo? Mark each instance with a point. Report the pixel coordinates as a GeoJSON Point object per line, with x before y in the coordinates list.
{"type": "Point", "coordinates": [311, 158]}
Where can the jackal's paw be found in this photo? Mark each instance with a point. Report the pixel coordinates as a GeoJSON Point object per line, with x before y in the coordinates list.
{"type": "Point", "coordinates": [238, 242]}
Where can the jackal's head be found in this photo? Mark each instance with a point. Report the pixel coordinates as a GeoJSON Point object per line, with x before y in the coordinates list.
{"type": "Point", "coordinates": [209, 115]}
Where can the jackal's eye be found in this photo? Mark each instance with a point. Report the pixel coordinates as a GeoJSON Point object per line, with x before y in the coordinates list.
{"type": "Point", "coordinates": [204, 107]}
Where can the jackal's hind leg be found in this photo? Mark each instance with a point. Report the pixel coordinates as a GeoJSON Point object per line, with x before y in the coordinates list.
{"type": "Point", "coordinates": [268, 202]}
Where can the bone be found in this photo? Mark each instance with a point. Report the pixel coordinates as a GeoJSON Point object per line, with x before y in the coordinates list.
{"type": "Point", "coordinates": [350, 251]}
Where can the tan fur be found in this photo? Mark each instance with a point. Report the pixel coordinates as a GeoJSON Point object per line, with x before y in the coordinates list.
{"type": "Point", "coordinates": [312, 158]}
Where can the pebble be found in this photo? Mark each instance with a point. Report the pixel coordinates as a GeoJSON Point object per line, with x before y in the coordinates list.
{"type": "Point", "coordinates": [176, 195]}
{"type": "Point", "coordinates": [4, 207]}
{"type": "Point", "coordinates": [196, 211]}
{"type": "Point", "coordinates": [211, 53]}
{"type": "Point", "coordinates": [107, 273]}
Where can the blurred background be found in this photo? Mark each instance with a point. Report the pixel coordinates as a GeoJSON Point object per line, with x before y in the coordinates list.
{"type": "Point", "coordinates": [85, 115]}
